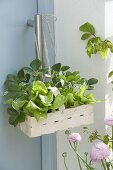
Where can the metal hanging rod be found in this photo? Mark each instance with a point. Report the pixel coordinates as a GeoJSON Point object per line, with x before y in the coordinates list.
{"type": "Point", "coordinates": [37, 25]}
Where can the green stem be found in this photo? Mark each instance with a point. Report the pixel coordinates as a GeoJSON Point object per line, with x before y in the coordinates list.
{"type": "Point", "coordinates": [90, 168]}
{"type": "Point", "coordinates": [107, 165]}
{"type": "Point", "coordinates": [87, 162]}
{"type": "Point", "coordinates": [87, 166]}
{"type": "Point", "coordinates": [65, 163]}
{"type": "Point", "coordinates": [79, 162]}
{"type": "Point", "coordinates": [112, 138]}
{"type": "Point", "coordinates": [94, 35]}
{"type": "Point", "coordinates": [78, 157]}
{"type": "Point", "coordinates": [103, 165]}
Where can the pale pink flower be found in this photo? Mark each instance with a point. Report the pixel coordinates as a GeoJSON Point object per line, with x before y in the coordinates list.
{"type": "Point", "coordinates": [74, 137]}
{"type": "Point", "coordinates": [100, 151]}
{"type": "Point", "coordinates": [108, 120]}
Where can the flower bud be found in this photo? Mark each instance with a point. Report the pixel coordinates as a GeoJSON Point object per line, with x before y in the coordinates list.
{"type": "Point", "coordinates": [74, 137]}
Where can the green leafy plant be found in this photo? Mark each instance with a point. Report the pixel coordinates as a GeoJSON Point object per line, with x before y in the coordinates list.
{"type": "Point", "coordinates": [72, 86]}
{"type": "Point", "coordinates": [62, 77]}
{"type": "Point", "coordinates": [28, 93]}
{"type": "Point", "coordinates": [95, 43]}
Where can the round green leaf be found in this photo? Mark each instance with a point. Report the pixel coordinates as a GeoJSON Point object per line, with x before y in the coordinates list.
{"type": "Point", "coordinates": [87, 27]}
{"type": "Point", "coordinates": [85, 36]}
{"type": "Point", "coordinates": [110, 74]}
{"type": "Point", "coordinates": [65, 68]}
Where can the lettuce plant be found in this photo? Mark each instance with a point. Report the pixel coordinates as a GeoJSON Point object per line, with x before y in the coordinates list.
{"type": "Point", "coordinates": [28, 92]}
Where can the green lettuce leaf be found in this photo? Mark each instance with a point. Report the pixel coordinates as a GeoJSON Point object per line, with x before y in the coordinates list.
{"type": "Point", "coordinates": [17, 104]}
{"type": "Point", "coordinates": [40, 87]}
{"type": "Point", "coordinates": [58, 102]}
{"type": "Point", "coordinates": [69, 100]}
{"type": "Point", "coordinates": [46, 100]}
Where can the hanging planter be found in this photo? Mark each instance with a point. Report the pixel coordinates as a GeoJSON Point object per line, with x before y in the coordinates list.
{"type": "Point", "coordinates": [43, 101]}
{"type": "Point", "coordinates": [58, 121]}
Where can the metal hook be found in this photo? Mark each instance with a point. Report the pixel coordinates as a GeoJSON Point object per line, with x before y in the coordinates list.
{"type": "Point", "coordinates": [30, 23]}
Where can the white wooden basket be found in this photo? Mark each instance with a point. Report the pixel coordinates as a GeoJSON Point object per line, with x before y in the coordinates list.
{"type": "Point", "coordinates": [58, 121]}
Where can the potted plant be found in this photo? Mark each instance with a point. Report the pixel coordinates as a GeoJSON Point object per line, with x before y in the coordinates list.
{"type": "Point", "coordinates": [37, 100]}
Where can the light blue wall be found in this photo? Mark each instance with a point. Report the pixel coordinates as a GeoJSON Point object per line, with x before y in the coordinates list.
{"type": "Point", "coordinates": [17, 152]}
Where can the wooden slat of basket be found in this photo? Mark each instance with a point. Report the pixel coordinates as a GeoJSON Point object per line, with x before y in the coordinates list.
{"type": "Point", "coordinates": [58, 121]}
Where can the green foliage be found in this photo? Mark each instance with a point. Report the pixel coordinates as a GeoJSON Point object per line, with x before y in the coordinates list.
{"type": "Point", "coordinates": [70, 100]}
{"type": "Point", "coordinates": [94, 43]}
{"type": "Point", "coordinates": [16, 117]}
{"type": "Point", "coordinates": [64, 79]}
{"type": "Point", "coordinates": [58, 102]}
{"type": "Point", "coordinates": [35, 70]}
{"type": "Point", "coordinates": [46, 100]}
{"type": "Point", "coordinates": [110, 75]}
{"type": "Point", "coordinates": [91, 82]}
{"type": "Point", "coordinates": [81, 98]}
{"type": "Point", "coordinates": [40, 87]}
{"type": "Point", "coordinates": [85, 36]}
{"type": "Point", "coordinates": [27, 94]}
{"type": "Point", "coordinates": [35, 64]}
{"type": "Point", "coordinates": [72, 86]}
{"type": "Point", "coordinates": [95, 135]}
{"type": "Point", "coordinates": [56, 67]}
{"type": "Point", "coordinates": [87, 28]}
